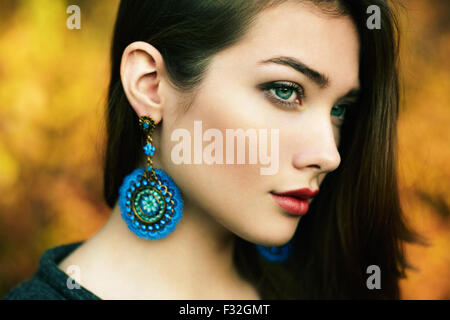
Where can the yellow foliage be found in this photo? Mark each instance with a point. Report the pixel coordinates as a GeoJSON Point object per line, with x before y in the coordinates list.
{"type": "Point", "coordinates": [52, 95]}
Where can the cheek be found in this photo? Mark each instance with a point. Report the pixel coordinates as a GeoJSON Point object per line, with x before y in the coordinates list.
{"type": "Point", "coordinates": [235, 194]}
{"type": "Point", "coordinates": [220, 110]}
{"type": "Point", "coordinates": [337, 135]}
{"type": "Point", "coordinates": [228, 108]}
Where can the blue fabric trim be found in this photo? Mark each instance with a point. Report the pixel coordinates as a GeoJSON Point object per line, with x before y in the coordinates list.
{"type": "Point", "coordinates": [169, 227]}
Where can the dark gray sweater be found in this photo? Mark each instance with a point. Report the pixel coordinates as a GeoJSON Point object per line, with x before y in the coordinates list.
{"type": "Point", "coordinates": [49, 282]}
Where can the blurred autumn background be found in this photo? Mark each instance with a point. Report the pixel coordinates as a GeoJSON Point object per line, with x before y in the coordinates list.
{"type": "Point", "coordinates": [53, 83]}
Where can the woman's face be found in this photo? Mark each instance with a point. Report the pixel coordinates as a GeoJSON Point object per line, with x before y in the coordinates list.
{"type": "Point", "coordinates": [240, 91]}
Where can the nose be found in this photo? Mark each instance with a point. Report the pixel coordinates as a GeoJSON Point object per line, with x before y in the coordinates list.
{"type": "Point", "coordinates": [318, 148]}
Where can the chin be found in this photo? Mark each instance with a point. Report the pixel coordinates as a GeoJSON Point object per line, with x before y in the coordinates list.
{"type": "Point", "coordinates": [275, 242]}
{"type": "Point", "coordinates": [271, 237]}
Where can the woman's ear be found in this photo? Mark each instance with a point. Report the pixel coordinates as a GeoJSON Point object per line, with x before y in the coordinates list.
{"type": "Point", "coordinates": [141, 72]}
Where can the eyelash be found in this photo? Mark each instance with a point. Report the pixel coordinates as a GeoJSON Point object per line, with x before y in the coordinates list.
{"type": "Point", "coordinates": [300, 95]}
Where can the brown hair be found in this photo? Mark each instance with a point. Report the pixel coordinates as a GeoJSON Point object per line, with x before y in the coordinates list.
{"type": "Point", "coordinates": [356, 220]}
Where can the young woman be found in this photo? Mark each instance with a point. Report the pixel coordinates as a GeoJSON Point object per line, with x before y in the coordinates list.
{"type": "Point", "coordinates": [312, 73]}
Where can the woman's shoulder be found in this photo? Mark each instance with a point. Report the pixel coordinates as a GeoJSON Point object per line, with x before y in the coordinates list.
{"type": "Point", "coordinates": [50, 282]}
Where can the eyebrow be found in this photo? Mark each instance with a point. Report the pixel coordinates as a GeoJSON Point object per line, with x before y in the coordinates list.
{"type": "Point", "coordinates": [319, 78]}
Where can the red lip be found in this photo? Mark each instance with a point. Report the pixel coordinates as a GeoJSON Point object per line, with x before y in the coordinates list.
{"type": "Point", "coordinates": [295, 202]}
{"type": "Point", "coordinates": [303, 194]}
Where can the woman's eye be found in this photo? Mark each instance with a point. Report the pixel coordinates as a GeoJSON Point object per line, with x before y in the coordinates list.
{"type": "Point", "coordinates": [283, 93]}
{"type": "Point", "coordinates": [286, 94]}
{"type": "Point", "coordinates": [339, 111]}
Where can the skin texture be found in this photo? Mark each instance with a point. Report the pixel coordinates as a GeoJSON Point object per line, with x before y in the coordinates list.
{"type": "Point", "coordinates": [221, 201]}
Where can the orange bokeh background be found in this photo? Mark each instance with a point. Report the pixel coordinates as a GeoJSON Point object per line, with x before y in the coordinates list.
{"type": "Point", "coordinates": [53, 85]}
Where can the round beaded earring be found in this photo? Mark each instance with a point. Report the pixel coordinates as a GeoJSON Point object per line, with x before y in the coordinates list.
{"type": "Point", "coordinates": [149, 200]}
{"type": "Point", "coordinates": [275, 254]}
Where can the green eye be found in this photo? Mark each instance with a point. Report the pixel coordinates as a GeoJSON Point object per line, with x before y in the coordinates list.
{"type": "Point", "coordinates": [339, 111]}
{"type": "Point", "coordinates": [284, 92]}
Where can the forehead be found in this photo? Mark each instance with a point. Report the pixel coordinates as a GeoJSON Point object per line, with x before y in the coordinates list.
{"type": "Point", "coordinates": [327, 43]}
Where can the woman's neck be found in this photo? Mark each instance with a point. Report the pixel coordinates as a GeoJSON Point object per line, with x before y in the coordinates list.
{"type": "Point", "coordinates": [194, 262]}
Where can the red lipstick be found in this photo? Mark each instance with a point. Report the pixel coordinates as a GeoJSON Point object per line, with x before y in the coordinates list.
{"type": "Point", "coordinates": [295, 202]}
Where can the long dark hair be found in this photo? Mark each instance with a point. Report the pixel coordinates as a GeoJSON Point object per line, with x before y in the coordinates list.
{"type": "Point", "coordinates": [356, 220]}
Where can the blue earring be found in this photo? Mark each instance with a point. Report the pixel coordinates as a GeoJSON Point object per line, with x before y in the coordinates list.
{"type": "Point", "coordinates": [149, 200]}
{"type": "Point", "coordinates": [275, 254]}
